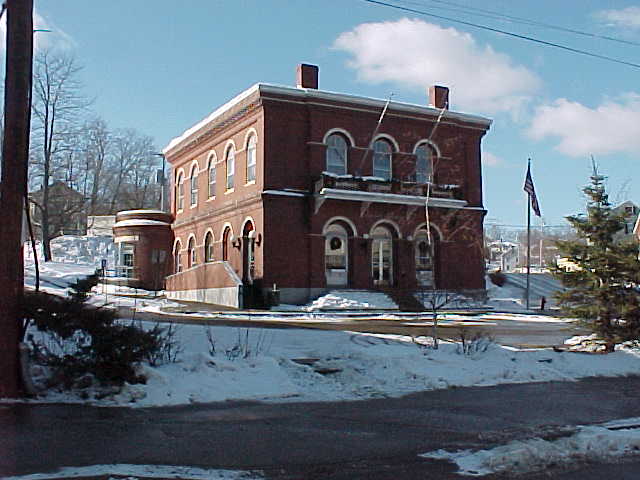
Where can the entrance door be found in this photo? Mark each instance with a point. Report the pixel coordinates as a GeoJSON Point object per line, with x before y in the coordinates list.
{"type": "Point", "coordinates": [424, 260]}
{"type": "Point", "coordinates": [336, 256]}
{"type": "Point", "coordinates": [248, 253]}
{"type": "Point", "coordinates": [382, 257]}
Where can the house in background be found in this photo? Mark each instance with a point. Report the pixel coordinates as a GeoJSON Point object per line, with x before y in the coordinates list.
{"type": "Point", "coordinates": [296, 189]}
{"type": "Point", "coordinates": [503, 256]}
{"type": "Point", "coordinates": [100, 225]}
{"type": "Point", "coordinates": [630, 211]}
{"type": "Point", "coordinates": [67, 215]}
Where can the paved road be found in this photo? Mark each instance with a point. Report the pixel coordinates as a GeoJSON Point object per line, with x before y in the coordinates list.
{"type": "Point", "coordinates": [374, 439]}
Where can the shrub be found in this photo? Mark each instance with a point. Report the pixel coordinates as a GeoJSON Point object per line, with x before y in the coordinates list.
{"type": "Point", "coordinates": [498, 278]}
{"type": "Point", "coordinates": [85, 338]}
{"type": "Point", "coordinates": [472, 343]}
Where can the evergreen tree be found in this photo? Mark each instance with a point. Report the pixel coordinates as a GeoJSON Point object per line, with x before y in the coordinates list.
{"type": "Point", "coordinates": [603, 291]}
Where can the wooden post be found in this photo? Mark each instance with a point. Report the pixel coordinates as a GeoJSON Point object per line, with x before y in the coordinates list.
{"type": "Point", "coordinates": [13, 188]}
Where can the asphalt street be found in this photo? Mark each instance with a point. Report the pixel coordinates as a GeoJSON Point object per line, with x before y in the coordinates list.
{"type": "Point", "coordinates": [373, 439]}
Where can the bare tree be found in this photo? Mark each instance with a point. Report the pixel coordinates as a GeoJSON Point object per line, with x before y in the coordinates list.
{"type": "Point", "coordinates": [131, 169]}
{"type": "Point", "coordinates": [57, 107]}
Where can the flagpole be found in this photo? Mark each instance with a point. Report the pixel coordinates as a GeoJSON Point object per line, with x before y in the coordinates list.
{"type": "Point", "coordinates": [528, 236]}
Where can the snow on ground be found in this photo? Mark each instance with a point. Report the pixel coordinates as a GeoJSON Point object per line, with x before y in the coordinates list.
{"type": "Point", "coordinates": [78, 250]}
{"type": "Point", "coordinates": [605, 442]}
{"type": "Point", "coordinates": [347, 300]}
{"type": "Point", "coordinates": [318, 365]}
{"type": "Point", "coordinates": [132, 472]}
{"type": "Point", "coordinates": [73, 257]}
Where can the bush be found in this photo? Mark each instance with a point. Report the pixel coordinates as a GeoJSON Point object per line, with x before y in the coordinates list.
{"type": "Point", "coordinates": [472, 343]}
{"type": "Point", "coordinates": [498, 278]}
{"type": "Point", "coordinates": [85, 339]}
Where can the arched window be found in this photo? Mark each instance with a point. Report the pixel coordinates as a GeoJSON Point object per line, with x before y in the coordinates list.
{"type": "Point", "coordinates": [193, 258]}
{"type": "Point", "coordinates": [194, 185]}
{"type": "Point", "coordinates": [382, 150]}
{"type": "Point", "coordinates": [337, 148]}
{"type": "Point", "coordinates": [212, 176]}
{"type": "Point", "coordinates": [180, 191]}
{"type": "Point", "coordinates": [208, 247]}
{"type": "Point", "coordinates": [225, 243]}
{"type": "Point", "coordinates": [251, 159]}
{"type": "Point", "coordinates": [230, 162]}
{"type": "Point", "coordinates": [177, 258]}
{"type": "Point", "coordinates": [424, 163]}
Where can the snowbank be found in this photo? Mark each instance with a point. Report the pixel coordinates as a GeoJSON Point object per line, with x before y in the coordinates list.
{"type": "Point", "coordinates": [604, 443]}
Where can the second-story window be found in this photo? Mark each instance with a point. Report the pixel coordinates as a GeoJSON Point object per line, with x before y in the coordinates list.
{"type": "Point", "coordinates": [336, 154]}
{"type": "Point", "coordinates": [382, 159]}
{"type": "Point", "coordinates": [212, 176]}
{"type": "Point", "coordinates": [230, 162]}
{"type": "Point", "coordinates": [251, 159]}
{"type": "Point", "coordinates": [424, 163]}
{"type": "Point", "coordinates": [180, 191]}
{"type": "Point", "coordinates": [194, 185]}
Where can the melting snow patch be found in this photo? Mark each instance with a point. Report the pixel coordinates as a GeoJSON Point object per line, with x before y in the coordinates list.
{"type": "Point", "coordinates": [145, 471]}
{"type": "Point", "coordinates": [603, 443]}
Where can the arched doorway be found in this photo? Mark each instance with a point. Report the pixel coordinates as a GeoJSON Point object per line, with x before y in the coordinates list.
{"type": "Point", "coordinates": [424, 254]}
{"type": "Point", "coordinates": [336, 255]}
{"type": "Point", "coordinates": [382, 256]}
{"type": "Point", "coordinates": [248, 253]}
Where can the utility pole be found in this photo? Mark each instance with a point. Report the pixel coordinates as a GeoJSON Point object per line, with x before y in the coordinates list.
{"type": "Point", "coordinates": [13, 188]}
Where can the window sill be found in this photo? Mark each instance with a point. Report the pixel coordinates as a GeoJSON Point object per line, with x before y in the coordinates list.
{"type": "Point", "coordinates": [210, 199]}
{"type": "Point", "coordinates": [252, 182]}
{"type": "Point", "coordinates": [231, 190]}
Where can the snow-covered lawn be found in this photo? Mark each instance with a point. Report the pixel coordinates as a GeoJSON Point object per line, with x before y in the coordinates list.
{"type": "Point", "coordinates": [605, 443]}
{"type": "Point", "coordinates": [278, 365]}
{"type": "Point", "coordinates": [132, 472]}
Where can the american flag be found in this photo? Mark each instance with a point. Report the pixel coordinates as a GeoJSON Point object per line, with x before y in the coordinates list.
{"type": "Point", "coordinates": [528, 187]}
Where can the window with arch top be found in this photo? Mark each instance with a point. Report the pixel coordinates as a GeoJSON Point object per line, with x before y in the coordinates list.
{"type": "Point", "coordinates": [382, 151]}
{"type": "Point", "coordinates": [424, 163]}
{"type": "Point", "coordinates": [230, 162]}
{"type": "Point", "coordinates": [194, 185]}
{"type": "Point", "coordinates": [251, 159]}
{"type": "Point", "coordinates": [212, 176]}
{"type": "Point", "coordinates": [208, 247]}
{"type": "Point", "coordinates": [193, 256]}
{"type": "Point", "coordinates": [337, 148]}
{"type": "Point", "coordinates": [180, 191]}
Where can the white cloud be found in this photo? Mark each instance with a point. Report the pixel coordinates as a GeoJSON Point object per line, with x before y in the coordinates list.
{"type": "Point", "coordinates": [626, 17]}
{"type": "Point", "coordinates": [416, 54]}
{"type": "Point", "coordinates": [491, 160]}
{"type": "Point", "coordinates": [55, 37]}
{"type": "Point", "coordinates": [611, 127]}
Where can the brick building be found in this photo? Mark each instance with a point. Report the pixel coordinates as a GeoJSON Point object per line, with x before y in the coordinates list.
{"type": "Point", "coordinates": [298, 188]}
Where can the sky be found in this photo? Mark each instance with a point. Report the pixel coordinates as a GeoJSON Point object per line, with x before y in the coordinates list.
{"type": "Point", "coordinates": [160, 67]}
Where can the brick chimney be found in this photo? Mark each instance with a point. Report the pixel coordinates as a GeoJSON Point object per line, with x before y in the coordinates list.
{"type": "Point", "coordinates": [307, 76]}
{"type": "Point", "coordinates": [439, 97]}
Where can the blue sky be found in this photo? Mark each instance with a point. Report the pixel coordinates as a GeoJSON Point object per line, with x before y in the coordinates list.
{"type": "Point", "coordinates": [161, 66]}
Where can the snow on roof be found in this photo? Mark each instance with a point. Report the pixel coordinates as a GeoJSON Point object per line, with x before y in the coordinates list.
{"type": "Point", "coordinates": [137, 222]}
{"type": "Point", "coordinates": [261, 88]}
{"type": "Point", "coordinates": [145, 210]}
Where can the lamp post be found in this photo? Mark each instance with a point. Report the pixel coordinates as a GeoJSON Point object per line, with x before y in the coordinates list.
{"type": "Point", "coordinates": [162, 181]}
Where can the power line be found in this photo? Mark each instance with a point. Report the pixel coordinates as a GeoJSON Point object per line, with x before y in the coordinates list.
{"type": "Point", "coordinates": [504, 32]}
{"type": "Point", "coordinates": [513, 19]}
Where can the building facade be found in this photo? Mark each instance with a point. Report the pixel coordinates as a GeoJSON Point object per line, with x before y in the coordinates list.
{"type": "Point", "coordinates": [301, 190]}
